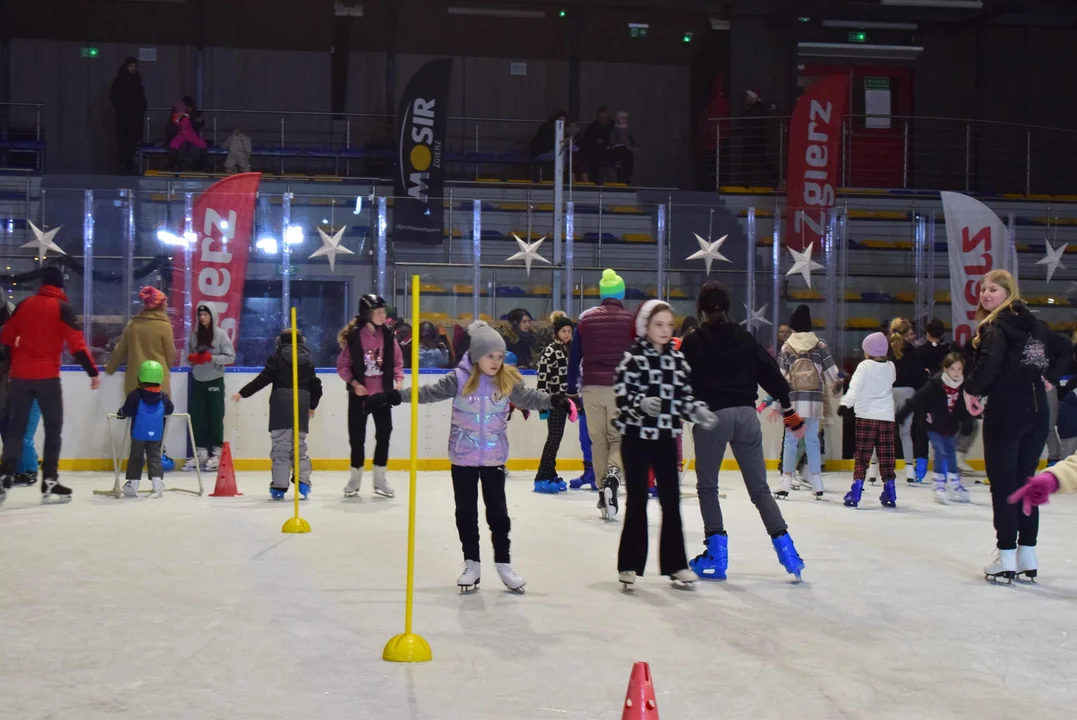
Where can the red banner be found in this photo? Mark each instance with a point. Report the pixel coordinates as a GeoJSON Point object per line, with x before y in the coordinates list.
{"type": "Point", "coordinates": [223, 223]}
{"type": "Point", "coordinates": [814, 153]}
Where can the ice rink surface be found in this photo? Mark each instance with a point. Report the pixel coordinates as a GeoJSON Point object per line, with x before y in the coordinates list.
{"type": "Point", "coordinates": [200, 608]}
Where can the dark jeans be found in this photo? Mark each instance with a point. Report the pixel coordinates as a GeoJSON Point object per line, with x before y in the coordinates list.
{"type": "Point", "coordinates": [639, 456]}
{"type": "Point", "coordinates": [383, 429]}
{"type": "Point", "coordinates": [152, 453]}
{"type": "Point", "coordinates": [176, 157]}
{"type": "Point", "coordinates": [624, 158]}
{"type": "Point", "coordinates": [465, 487]}
{"type": "Point", "coordinates": [128, 135]}
{"type": "Point", "coordinates": [51, 401]}
{"type": "Point", "coordinates": [1013, 441]}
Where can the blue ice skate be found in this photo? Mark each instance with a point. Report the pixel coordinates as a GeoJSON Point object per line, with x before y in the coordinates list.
{"type": "Point", "coordinates": [304, 490]}
{"type": "Point", "coordinates": [713, 562]}
{"type": "Point", "coordinates": [787, 554]}
{"type": "Point", "coordinates": [889, 494]}
{"type": "Point", "coordinates": [921, 469]}
{"type": "Point", "coordinates": [545, 487]}
{"type": "Point", "coordinates": [276, 493]}
{"type": "Point", "coordinates": [852, 498]}
{"type": "Point", "coordinates": [587, 480]}
{"type": "Point", "coordinates": [562, 486]}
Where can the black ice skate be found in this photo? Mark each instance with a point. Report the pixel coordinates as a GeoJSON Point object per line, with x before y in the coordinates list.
{"type": "Point", "coordinates": [51, 489]}
{"type": "Point", "coordinates": [607, 497]}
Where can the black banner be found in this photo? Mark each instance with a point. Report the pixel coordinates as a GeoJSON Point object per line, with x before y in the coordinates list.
{"type": "Point", "coordinates": [418, 215]}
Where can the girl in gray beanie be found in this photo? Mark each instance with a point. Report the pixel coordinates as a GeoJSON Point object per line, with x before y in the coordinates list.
{"type": "Point", "coordinates": [482, 388]}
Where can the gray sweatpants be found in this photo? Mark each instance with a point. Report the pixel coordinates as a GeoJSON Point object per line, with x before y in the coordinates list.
{"type": "Point", "coordinates": [284, 460]}
{"type": "Point", "coordinates": [739, 428]}
{"type": "Point", "coordinates": [152, 452]}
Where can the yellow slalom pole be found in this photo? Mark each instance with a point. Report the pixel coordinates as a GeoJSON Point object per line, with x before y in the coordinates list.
{"type": "Point", "coordinates": [409, 647]}
{"type": "Point", "coordinates": [295, 524]}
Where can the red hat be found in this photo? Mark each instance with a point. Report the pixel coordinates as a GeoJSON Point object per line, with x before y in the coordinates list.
{"type": "Point", "coordinates": [151, 297]}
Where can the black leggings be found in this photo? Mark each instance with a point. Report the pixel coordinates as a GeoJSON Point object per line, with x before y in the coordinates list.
{"type": "Point", "coordinates": [465, 487]}
{"type": "Point", "coordinates": [639, 456]}
{"type": "Point", "coordinates": [1013, 441]}
{"type": "Point", "coordinates": [383, 429]}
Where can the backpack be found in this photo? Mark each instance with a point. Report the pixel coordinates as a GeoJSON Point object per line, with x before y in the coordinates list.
{"type": "Point", "coordinates": [803, 375]}
{"type": "Point", "coordinates": [148, 425]}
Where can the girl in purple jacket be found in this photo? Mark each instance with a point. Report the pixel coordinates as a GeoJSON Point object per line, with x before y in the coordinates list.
{"type": "Point", "coordinates": [482, 388]}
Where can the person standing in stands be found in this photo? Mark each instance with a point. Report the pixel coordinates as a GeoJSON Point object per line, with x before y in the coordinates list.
{"type": "Point", "coordinates": [34, 337]}
{"type": "Point", "coordinates": [603, 336]}
{"type": "Point", "coordinates": [595, 144]}
{"type": "Point", "coordinates": [128, 100]}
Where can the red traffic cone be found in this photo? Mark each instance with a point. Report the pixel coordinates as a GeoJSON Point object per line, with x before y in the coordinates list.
{"type": "Point", "coordinates": [226, 476]}
{"type": "Point", "coordinates": [639, 700]}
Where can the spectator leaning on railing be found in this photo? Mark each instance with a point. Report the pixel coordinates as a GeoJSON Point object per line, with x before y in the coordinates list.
{"type": "Point", "coordinates": [129, 105]}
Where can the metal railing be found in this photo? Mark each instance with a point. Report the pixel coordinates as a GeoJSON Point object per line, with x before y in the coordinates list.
{"type": "Point", "coordinates": [905, 152]}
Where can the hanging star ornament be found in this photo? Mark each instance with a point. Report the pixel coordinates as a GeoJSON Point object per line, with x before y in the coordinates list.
{"type": "Point", "coordinates": [759, 317]}
{"type": "Point", "coordinates": [42, 241]}
{"type": "Point", "coordinates": [708, 251]}
{"type": "Point", "coordinates": [331, 247]}
{"type": "Point", "coordinates": [529, 252]}
{"type": "Point", "coordinates": [1053, 261]}
{"type": "Point", "coordinates": [803, 264]}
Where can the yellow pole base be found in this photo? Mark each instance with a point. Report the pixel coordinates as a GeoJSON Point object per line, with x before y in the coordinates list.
{"type": "Point", "coordinates": [296, 525]}
{"type": "Point", "coordinates": [407, 648]}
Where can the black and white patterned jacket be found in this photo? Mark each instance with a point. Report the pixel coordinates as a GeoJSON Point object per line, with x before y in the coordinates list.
{"type": "Point", "coordinates": [645, 373]}
{"type": "Point", "coordinates": [553, 368]}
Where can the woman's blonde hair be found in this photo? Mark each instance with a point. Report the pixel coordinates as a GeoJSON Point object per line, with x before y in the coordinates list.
{"type": "Point", "coordinates": [557, 314]}
{"type": "Point", "coordinates": [1005, 281]}
{"type": "Point", "coordinates": [346, 332]}
{"type": "Point", "coordinates": [506, 379]}
{"type": "Point", "coordinates": [899, 327]}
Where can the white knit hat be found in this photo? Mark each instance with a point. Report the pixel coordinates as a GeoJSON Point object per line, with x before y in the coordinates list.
{"type": "Point", "coordinates": [643, 315]}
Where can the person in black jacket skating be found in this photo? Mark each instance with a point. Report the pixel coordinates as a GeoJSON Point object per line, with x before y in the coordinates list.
{"type": "Point", "coordinates": [942, 408]}
{"type": "Point", "coordinates": [728, 365]}
{"type": "Point", "coordinates": [278, 374]}
{"type": "Point", "coordinates": [1014, 354]}
{"type": "Point", "coordinates": [910, 376]}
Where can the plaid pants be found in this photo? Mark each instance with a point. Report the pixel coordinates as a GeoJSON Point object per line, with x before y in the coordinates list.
{"type": "Point", "coordinates": [556, 429]}
{"type": "Point", "coordinates": [875, 435]}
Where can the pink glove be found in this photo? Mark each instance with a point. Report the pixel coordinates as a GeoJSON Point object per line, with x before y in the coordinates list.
{"type": "Point", "coordinates": [973, 405]}
{"type": "Point", "coordinates": [1037, 491]}
{"type": "Point", "coordinates": [573, 413]}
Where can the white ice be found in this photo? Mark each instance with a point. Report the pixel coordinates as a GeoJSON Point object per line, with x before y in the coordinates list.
{"type": "Point", "coordinates": [200, 608]}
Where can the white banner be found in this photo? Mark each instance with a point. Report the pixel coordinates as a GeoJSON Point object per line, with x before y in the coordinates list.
{"type": "Point", "coordinates": [977, 242]}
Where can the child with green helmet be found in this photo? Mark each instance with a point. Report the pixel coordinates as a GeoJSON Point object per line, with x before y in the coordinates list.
{"type": "Point", "coordinates": [146, 406]}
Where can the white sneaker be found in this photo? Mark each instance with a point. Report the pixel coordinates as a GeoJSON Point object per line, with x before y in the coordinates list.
{"type": "Point", "coordinates": [355, 482]}
{"type": "Point", "coordinates": [213, 462]}
{"type": "Point", "coordinates": [1004, 568]}
{"type": "Point", "coordinates": [684, 578]}
{"type": "Point", "coordinates": [158, 487]}
{"type": "Point", "coordinates": [130, 489]}
{"type": "Point", "coordinates": [627, 578]}
{"type": "Point", "coordinates": [190, 465]}
{"type": "Point", "coordinates": [1026, 562]}
{"type": "Point", "coordinates": [381, 485]}
{"type": "Point", "coordinates": [469, 580]}
{"type": "Point", "coordinates": [785, 487]}
{"type": "Point", "coordinates": [508, 576]}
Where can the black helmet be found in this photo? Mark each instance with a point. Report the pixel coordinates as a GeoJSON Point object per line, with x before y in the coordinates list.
{"type": "Point", "coordinates": [369, 303]}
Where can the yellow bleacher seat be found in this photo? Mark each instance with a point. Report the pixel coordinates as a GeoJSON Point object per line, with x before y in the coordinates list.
{"type": "Point", "coordinates": [862, 323]}
{"type": "Point", "coordinates": [909, 297]}
{"type": "Point", "coordinates": [878, 215]}
{"type": "Point", "coordinates": [638, 238]}
{"type": "Point", "coordinates": [805, 294]}
{"type": "Point", "coordinates": [624, 210]}
{"type": "Point", "coordinates": [942, 296]}
{"type": "Point", "coordinates": [514, 206]}
{"type": "Point", "coordinates": [463, 289]}
{"type": "Point", "coordinates": [434, 316]}
{"type": "Point", "coordinates": [590, 291]}
{"type": "Point", "coordinates": [541, 290]}
{"type": "Point", "coordinates": [466, 317]}
{"type": "Point", "coordinates": [431, 288]}
{"type": "Point", "coordinates": [852, 295]}
{"type": "Point", "coordinates": [733, 190]}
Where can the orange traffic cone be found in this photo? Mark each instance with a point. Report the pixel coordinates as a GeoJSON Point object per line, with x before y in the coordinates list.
{"type": "Point", "coordinates": [639, 700]}
{"type": "Point", "coordinates": [226, 476]}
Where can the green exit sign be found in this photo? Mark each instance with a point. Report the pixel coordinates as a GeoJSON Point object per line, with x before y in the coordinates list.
{"type": "Point", "coordinates": [638, 30]}
{"type": "Point", "coordinates": [858, 36]}
{"type": "Point", "coordinates": [89, 52]}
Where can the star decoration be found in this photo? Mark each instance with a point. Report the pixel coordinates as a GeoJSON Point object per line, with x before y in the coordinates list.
{"type": "Point", "coordinates": [803, 263]}
{"type": "Point", "coordinates": [42, 241]}
{"type": "Point", "coordinates": [1053, 261]}
{"type": "Point", "coordinates": [529, 252]}
{"type": "Point", "coordinates": [758, 319]}
{"type": "Point", "coordinates": [708, 251]}
{"type": "Point", "coordinates": [331, 247]}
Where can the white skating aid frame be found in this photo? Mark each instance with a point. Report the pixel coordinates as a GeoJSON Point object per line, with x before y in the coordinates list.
{"type": "Point", "coordinates": [117, 488]}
